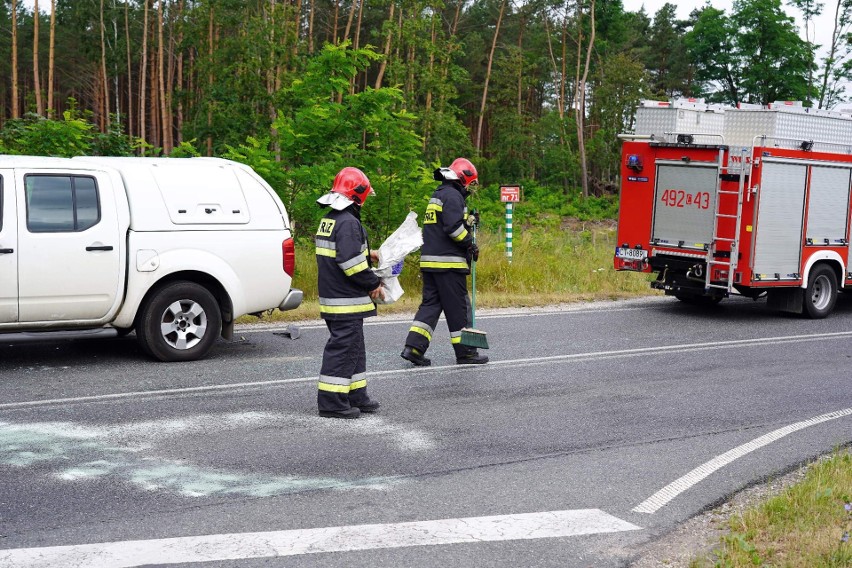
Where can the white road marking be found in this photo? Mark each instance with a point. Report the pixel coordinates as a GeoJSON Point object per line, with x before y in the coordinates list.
{"type": "Point", "coordinates": [675, 488]}
{"type": "Point", "coordinates": [238, 546]}
{"type": "Point", "coordinates": [396, 373]}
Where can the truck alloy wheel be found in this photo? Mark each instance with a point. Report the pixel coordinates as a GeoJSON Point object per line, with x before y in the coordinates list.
{"type": "Point", "coordinates": [821, 293]}
{"type": "Point", "coordinates": [180, 322]}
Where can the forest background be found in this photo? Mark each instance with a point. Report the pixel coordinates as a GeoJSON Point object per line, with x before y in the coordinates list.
{"type": "Point", "coordinates": [534, 92]}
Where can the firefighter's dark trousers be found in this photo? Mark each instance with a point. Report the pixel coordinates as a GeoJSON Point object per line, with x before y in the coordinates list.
{"type": "Point", "coordinates": [343, 375]}
{"type": "Point", "coordinates": [442, 292]}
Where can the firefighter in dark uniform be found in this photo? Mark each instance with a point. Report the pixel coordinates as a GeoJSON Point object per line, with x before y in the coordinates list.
{"type": "Point", "coordinates": [347, 288]}
{"type": "Point", "coordinates": [445, 257]}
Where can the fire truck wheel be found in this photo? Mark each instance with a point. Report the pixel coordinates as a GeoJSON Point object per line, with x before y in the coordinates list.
{"type": "Point", "coordinates": [821, 294]}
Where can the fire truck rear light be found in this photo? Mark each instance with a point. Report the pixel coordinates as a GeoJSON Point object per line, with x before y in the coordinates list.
{"type": "Point", "coordinates": [636, 265]}
{"type": "Point", "coordinates": [288, 248]}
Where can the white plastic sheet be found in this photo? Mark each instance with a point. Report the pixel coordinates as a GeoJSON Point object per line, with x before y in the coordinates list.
{"type": "Point", "coordinates": [406, 239]}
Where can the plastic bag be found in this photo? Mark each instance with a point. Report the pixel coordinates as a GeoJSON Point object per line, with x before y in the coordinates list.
{"type": "Point", "coordinates": [406, 239]}
{"type": "Point", "coordinates": [402, 242]}
{"type": "Point", "coordinates": [392, 290]}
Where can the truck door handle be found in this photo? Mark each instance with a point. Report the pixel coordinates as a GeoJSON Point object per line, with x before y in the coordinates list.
{"type": "Point", "coordinates": [106, 247]}
{"type": "Point", "coordinates": [7, 251]}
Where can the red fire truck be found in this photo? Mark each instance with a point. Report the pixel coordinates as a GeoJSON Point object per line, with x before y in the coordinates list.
{"type": "Point", "coordinates": [749, 201]}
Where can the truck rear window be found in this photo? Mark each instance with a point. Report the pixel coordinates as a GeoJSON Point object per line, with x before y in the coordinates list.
{"type": "Point", "coordinates": [60, 203]}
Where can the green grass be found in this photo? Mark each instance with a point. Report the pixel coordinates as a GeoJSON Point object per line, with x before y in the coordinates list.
{"type": "Point", "coordinates": [804, 526]}
{"type": "Point", "coordinates": [549, 266]}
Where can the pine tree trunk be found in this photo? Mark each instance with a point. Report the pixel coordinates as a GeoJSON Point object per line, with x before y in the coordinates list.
{"type": "Point", "coordinates": [210, 85]}
{"type": "Point", "coordinates": [358, 24]}
{"type": "Point", "coordinates": [179, 123]}
{"type": "Point", "coordinates": [98, 96]}
{"type": "Point", "coordinates": [130, 125]}
{"type": "Point", "coordinates": [431, 66]}
{"type": "Point", "coordinates": [561, 72]}
{"type": "Point", "coordinates": [16, 109]}
{"type": "Point", "coordinates": [51, 59]}
{"type": "Point", "coordinates": [171, 69]}
{"type": "Point", "coordinates": [161, 83]}
{"type": "Point", "coordinates": [269, 16]}
{"type": "Point", "coordinates": [832, 55]}
{"type": "Point", "coordinates": [488, 78]}
{"type": "Point", "coordinates": [154, 106]}
{"type": "Point", "coordinates": [36, 78]}
{"type": "Point", "coordinates": [563, 81]}
{"type": "Point", "coordinates": [384, 63]}
{"type": "Point", "coordinates": [297, 31]}
{"type": "Point", "coordinates": [447, 56]}
{"type": "Point", "coordinates": [311, 29]}
{"type": "Point", "coordinates": [358, 41]}
{"type": "Point", "coordinates": [580, 94]}
{"type": "Point", "coordinates": [560, 101]}
{"type": "Point", "coordinates": [428, 107]}
{"type": "Point", "coordinates": [334, 29]}
{"type": "Point", "coordinates": [116, 75]}
{"type": "Point", "coordinates": [349, 20]}
{"type": "Point", "coordinates": [143, 72]}
{"type": "Point", "coordinates": [409, 72]}
{"type": "Point", "coordinates": [273, 74]}
{"type": "Point", "coordinates": [345, 38]}
{"type": "Point", "coordinates": [521, 63]}
{"type": "Point", "coordinates": [105, 122]}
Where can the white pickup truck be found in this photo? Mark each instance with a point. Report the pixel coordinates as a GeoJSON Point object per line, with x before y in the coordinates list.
{"type": "Point", "coordinates": [173, 248]}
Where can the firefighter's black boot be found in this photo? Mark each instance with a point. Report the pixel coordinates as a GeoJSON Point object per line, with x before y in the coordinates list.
{"type": "Point", "coordinates": [353, 412]}
{"type": "Point", "coordinates": [368, 407]}
{"type": "Point", "coordinates": [413, 355]}
{"type": "Point", "coordinates": [359, 399]}
{"type": "Point", "coordinates": [472, 357]}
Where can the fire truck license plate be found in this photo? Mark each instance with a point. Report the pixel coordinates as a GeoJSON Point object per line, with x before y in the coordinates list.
{"type": "Point", "coordinates": [631, 254]}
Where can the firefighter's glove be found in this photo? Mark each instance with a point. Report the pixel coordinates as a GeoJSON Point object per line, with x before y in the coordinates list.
{"type": "Point", "coordinates": [472, 252]}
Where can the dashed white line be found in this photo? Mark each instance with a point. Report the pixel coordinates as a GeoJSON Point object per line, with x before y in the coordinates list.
{"type": "Point", "coordinates": [211, 548]}
{"type": "Point", "coordinates": [675, 488]}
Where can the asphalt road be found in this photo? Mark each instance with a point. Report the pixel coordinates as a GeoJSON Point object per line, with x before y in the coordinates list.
{"type": "Point", "coordinates": [594, 430]}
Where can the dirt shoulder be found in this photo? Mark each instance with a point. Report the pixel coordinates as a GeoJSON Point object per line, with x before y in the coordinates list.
{"type": "Point", "coordinates": [698, 536]}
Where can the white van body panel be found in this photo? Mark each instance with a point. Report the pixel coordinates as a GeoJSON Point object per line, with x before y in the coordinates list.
{"type": "Point", "coordinates": [8, 250]}
{"type": "Point", "coordinates": [81, 262]}
{"type": "Point", "coordinates": [192, 253]}
{"type": "Point", "coordinates": [61, 277]}
{"type": "Point", "coordinates": [201, 194]}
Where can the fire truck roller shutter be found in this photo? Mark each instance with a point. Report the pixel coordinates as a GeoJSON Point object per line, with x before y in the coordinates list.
{"type": "Point", "coordinates": [778, 231]}
{"type": "Point", "coordinates": [685, 203]}
{"type": "Point", "coordinates": [828, 205]}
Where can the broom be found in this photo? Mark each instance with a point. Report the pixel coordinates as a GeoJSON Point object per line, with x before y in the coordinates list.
{"type": "Point", "coordinates": [471, 337]}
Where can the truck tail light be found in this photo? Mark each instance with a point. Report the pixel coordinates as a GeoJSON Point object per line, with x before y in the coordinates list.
{"type": "Point", "coordinates": [288, 247]}
{"type": "Point", "coordinates": [638, 265]}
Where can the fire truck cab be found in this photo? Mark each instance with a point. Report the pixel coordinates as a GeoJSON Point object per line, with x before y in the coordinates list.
{"type": "Point", "coordinates": [751, 201]}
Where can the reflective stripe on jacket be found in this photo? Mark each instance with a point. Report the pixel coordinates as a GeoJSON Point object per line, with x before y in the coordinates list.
{"type": "Point", "coordinates": [344, 277]}
{"type": "Point", "coordinates": [446, 238]}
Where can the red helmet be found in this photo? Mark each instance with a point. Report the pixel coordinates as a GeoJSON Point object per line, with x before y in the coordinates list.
{"type": "Point", "coordinates": [465, 171]}
{"type": "Point", "coordinates": [352, 184]}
